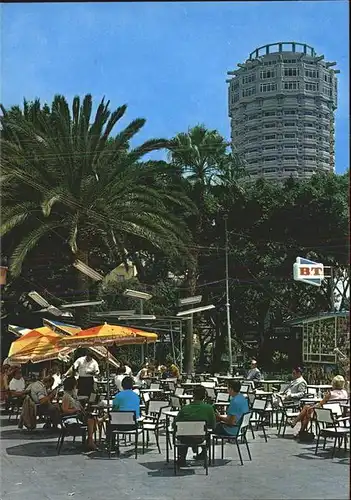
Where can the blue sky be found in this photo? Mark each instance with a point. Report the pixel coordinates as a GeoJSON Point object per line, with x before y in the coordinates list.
{"type": "Point", "coordinates": [167, 61]}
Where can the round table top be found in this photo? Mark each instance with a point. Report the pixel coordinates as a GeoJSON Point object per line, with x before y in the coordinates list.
{"type": "Point", "coordinates": [152, 390]}
{"type": "Point", "coordinates": [320, 386]}
{"type": "Point", "coordinates": [171, 413]}
{"type": "Point", "coordinates": [273, 381]}
{"type": "Point", "coordinates": [310, 400]}
{"type": "Point", "coordinates": [263, 393]}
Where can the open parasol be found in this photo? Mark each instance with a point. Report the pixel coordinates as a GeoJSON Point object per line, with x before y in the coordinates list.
{"type": "Point", "coordinates": [108, 334]}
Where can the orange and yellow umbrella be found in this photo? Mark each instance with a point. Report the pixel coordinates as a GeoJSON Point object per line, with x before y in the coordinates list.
{"type": "Point", "coordinates": [38, 345]}
{"type": "Point", "coordinates": [108, 334]}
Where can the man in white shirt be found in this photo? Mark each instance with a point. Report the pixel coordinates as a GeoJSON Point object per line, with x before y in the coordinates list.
{"type": "Point", "coordinates": [17, 384]}
{"type": "Point", "coordinates": [297, 387]}
{"type": "Point", "coordinates": [39, 393]}
{"type": "Point", "coordinates": [16, 389]}
{"type": "Point", "coordinates": [254, 373]}
{"type": "Point", "coordinates": [87, 368]}
{"type": "Point", "coordinates": [119, 377]}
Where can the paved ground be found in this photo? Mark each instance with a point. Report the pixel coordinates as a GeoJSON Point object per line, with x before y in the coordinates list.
{"type": "Point", "coordinates": [280, 469]}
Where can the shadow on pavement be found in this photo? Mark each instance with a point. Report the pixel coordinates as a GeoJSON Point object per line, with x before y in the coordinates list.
{"type": "Point", "coordinates": [26, 435]}
{"type": "Point", "coordinates": [42, 449]}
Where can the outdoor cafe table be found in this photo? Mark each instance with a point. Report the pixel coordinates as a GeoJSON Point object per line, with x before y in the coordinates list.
{"type": "Point", "coordinates": [190, 384]}
{"type": "Point", "coordinates": [258, 392]}
{"type": "Point", "coordinates": [229, 377]}
{"type": "Point", "coordinates": [320, 387]}
{"type": "Point", "coordinates": [153, 390]}
{"type": "Point", "coordinates": [269, 383]}
{"type": "Point", "coordinates": [169, 414]}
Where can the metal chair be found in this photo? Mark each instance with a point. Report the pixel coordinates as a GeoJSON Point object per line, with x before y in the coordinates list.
{"type": "Point", "coordinates": [155, 423]}
{"type": "Point", "coordinates": [124, 423]}
{"type": "Point", "coordinates": [71, 426]}
{"type": "Point", "coordinates": [187, 434]}
{"type": "Point", "coordinates": [328, 426]}
{"type": "Point", "coordinates": [258, 417]}
{"type": "Point", "coordinates": [241, 435]}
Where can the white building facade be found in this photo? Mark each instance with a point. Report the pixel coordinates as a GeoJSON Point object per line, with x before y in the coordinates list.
{"type": "Point", "coordinates": [281, 105]}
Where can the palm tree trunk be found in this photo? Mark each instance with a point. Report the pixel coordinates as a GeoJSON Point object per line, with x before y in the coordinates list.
{"type": "Point", "coordinates": [82, 314]}
{"type": "Point", "coordinates": [189, 333]}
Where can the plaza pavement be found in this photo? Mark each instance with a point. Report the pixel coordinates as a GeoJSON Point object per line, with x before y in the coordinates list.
{"type": "Point", "coordinates": [280, 469]}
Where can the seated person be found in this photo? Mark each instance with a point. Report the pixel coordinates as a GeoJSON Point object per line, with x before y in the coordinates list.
{"type": "Point", "coordinates": [228, 425]}
{"type": "Point", "coordinates": [4, 382]}
{"type": "Point", "coordinates": [40, 395]}
{"type": "Point", "coordinates": [17, 387]}
{"type": "Point", "coordinates": [71, 406]}
{"type": "Point", "coordinates": [162, 370]}
{"type": "Point", "coordinates": [196, 410]}
{"type": "Point", "coordinates": [337, 392]}
{"type": "Point", "coordinates": [127, 399]}
{"type": "Point", "coordinates": [254, 373]}
{"type": "Point", "coordinates": [297, 387]}
{"type": "Point", "coordinates": [141, 375]}
{"type": "Point", "coordinates": [120, 374]}
{"type": "Point", "coordinates": [173, 371]}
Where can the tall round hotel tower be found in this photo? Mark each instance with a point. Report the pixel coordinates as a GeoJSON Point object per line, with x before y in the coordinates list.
{"type": "Point", "coordinates": [281, 105]}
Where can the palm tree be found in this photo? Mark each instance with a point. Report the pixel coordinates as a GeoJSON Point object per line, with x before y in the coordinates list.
{"type": "Point", "coordinates": [64, 173]}
{"type": "Point", "coordinates": [196, 157]}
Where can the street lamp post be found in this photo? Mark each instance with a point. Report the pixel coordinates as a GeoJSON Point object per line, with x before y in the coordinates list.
{"type": "Point", "coordinates": [227, 305]}
{"type": "Point", "coordinates": [136, 294]}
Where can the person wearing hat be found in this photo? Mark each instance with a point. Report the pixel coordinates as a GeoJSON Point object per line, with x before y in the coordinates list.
{"type": "Point", "coordinates": [254, 373]}
{"type": "Point", "coordinates": [297, 387]}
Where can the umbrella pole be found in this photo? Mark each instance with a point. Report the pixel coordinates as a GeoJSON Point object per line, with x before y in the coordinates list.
{"type": "Point", "coordinates": [108, 384]}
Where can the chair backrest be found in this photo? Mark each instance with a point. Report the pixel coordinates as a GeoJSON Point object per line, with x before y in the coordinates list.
{"type": "Point", "coordinates": [324, 416]}
{"type": "Point", "coordinates": [146, 397]}
{"type": "Point", "coordinates": [251, 398]}
{"type": "Point", "coordinates": [211, 393]}
{"type": "Point", "coordinates": [249, 383]}
{"type": "Point", "coordinates": [244, 389]}
{"type": "Point", "coordinates": [172, 386]}
{"type": "Point", "coordinates": [259, 404]}
{"type": "Point", "coordinates": [202, 378]}
{"type": "Point", "coordinates": [155, 406]}
{"type": "Point", "coordinates": [93, 398]}
{"type": "Point", "coordinates": [190, 429]}
{"type": "Point", "coordinates": [222, 397]}
{"type": "Point", "coordinates": [162, 416]}
{"type": "Point", "coordinates": [179, 391]}
{"type": "Point", "coordinates": [123, 418]}
{"type": "Point", "coordinates": [244, 424]}
{"type": "Point", "coordinates": [283, 387]}
{"type": "Point", "coordinates": [155, 386]}
{"type": "Point", "coordinates": [175, 402]}
{"type": "Point", "coordinates": [334, 407]}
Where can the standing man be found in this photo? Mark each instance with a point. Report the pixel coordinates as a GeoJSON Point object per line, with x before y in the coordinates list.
{"type": "Point", "coordinates": [87, 368]}
{"type": "Point", "coordinates": [228, 424]}
{"type": "Point", "coordinates": [254, 373]}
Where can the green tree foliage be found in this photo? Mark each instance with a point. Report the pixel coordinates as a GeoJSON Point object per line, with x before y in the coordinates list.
{"type": "Point", "coordinates": [71, 188]}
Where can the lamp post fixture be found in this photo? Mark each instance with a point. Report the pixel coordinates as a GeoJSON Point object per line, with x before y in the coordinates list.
{"type": "Point", "coordinates": [189, 314]}
{"type": "Point", "coordinates": [227, 305]}
{"type": "Point", "coordinates": [136, 294]}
